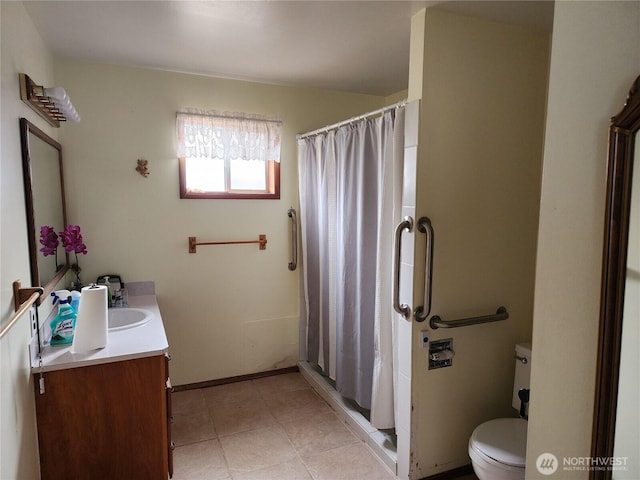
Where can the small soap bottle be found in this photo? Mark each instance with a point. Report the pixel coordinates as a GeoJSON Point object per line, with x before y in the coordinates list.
{"type": "Point", "coordinates": [75, 301]}
{"type": "Point", "coordinates": [108, 285]}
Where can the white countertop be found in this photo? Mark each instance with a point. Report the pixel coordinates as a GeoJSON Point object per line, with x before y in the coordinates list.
{"type": "Point", "coordinates": [142, 341]}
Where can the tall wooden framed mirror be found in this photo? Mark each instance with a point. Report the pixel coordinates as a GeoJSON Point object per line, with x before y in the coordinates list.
{"type": "Point", "coordinates": [615, 425]}
{"type": "Point", "coordinates": [45, 204]}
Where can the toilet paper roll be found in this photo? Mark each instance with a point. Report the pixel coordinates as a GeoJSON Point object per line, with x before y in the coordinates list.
{"type": "Point", "coordinates": [91, 322]}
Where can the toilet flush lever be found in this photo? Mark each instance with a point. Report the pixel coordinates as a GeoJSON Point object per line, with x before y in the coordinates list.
{"type": "Point", "coordinates": [446, 354]}
{"type": "Point", "coordinates": [523, 395]}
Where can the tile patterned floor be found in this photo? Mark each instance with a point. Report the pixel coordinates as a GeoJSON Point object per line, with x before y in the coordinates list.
{"type": "Point", "coordinates": [273, 428]}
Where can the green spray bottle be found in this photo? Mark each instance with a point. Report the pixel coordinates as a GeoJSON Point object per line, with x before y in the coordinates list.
{"type": "Point", "coordinates": [64, 323]}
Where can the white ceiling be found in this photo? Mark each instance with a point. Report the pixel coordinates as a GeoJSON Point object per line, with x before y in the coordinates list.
{"type": "Point", "coordinates": [356, 46]}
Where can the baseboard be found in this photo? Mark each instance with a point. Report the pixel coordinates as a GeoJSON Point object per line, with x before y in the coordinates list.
{"type": "Point", "coordinates": [452, 474]}
{"type": "Point", "coordinates": [239, 378]}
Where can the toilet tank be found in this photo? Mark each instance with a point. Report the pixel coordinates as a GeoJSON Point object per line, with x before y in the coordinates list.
{"type": "Point", "coordinates": [523, 371]}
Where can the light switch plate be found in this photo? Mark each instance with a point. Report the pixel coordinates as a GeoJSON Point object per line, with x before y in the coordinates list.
{"type": "Point", "coordinates": [33, 350]}
{"type": "Point", "coordinates": [33, 321]}
{"type": "Point", "coordinates": [424, 339]}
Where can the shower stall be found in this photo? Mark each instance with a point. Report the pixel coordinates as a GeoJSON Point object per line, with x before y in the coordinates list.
{"type": "Point", "coordinates": [350, 183]}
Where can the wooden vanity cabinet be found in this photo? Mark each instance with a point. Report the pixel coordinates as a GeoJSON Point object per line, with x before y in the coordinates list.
{"type": "Point", "coordinates": [107, 421]}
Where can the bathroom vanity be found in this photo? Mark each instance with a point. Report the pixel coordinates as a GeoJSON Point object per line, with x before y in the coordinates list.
{"type": "Point", "coordinates": [107, 413]}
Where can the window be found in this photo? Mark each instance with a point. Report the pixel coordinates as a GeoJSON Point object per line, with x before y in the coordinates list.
{"type": "Point", "coordinates": [228, 155]}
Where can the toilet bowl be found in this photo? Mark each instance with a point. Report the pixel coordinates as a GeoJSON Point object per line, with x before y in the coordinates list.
{"type": "Point", "coordinates": [497, 449]}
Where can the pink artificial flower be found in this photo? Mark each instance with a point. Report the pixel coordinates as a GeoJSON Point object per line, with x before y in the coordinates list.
{"type": "Point", "coordinates": [48, 240]}
{"type": "Point", "coordinates": [72, 240]}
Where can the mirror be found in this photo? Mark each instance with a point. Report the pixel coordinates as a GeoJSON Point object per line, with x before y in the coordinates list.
{"type": "Point", "coordinates": [44, 199]}
{"type": "Point", "coordinates": [627, 429]}
{"type": "Point", "coordinates": [615, 425]}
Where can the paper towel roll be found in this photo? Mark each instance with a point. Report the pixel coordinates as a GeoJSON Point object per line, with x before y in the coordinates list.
{"type": "Point", "coordinates": [92, 320]}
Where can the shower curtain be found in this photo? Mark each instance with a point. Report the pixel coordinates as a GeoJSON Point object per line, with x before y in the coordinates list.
{"type": "Point", "coordinates": [350, 182]}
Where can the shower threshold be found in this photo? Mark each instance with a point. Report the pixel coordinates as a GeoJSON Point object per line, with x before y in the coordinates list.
{"type": "Point", "coordinates": [382, 442]}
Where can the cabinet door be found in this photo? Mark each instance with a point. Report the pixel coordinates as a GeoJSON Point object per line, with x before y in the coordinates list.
{"type": "Point", "coordinates": [104, 421]}
{"type": "Point", "coordinates": [169, 391]}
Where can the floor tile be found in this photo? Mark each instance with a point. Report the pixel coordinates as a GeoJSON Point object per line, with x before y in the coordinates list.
{"type": "Point", "coordinates": [353, 462]}
{"type": "Point", "coordinates": [230, 393]}
{"type": "Point", "coordinates": [191, 420]}
{"type": "Point", "coordinates": [187, 401]}
{"type": "Point", "coordinates": [229, 418]}
{"type": "Point", "coordinates": [257, 449]}
{"type": "Point", "coordinates": [272, 428]}
{"type": "Point", "coordinates": [192, 427]}
{"type": "Point", "coordinates": [277, 384]}
{"type": "Point", "coordinates": [292, 405]}
{"type": "Point", "coordinates": [318, 433]}
{"type": "Point", "coordinates": [203, 460]}
{"type": "Point", "coordinates": [291, 470]}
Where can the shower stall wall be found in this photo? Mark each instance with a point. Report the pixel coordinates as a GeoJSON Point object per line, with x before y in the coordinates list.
{"type": "Point", "coordinates": [350, 184]}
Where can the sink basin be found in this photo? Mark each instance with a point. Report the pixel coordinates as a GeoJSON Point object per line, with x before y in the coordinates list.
{"type": "Point", "coordinates": [123, 318]}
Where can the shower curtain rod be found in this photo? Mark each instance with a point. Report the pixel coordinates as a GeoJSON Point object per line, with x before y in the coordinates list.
{"type": "Point", "coordinates": [351, 120]}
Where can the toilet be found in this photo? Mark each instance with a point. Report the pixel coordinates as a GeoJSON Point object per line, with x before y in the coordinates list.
{"type": "Point", "coordinates": [497, 448]}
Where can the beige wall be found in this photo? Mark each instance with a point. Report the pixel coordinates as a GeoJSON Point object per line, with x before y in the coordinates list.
{"type": "Point", "coordinates": [594, 59]}
{"type": "Point", "coordinates": [228, 310]}
{"type": "Point", "coordinates": [22, 51]}
{"type": "Point", "coordinates": [483, 90]}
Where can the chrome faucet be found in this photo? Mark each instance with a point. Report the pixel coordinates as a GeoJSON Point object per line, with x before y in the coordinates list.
{"type": "Point", "coordinates": [121, 298]}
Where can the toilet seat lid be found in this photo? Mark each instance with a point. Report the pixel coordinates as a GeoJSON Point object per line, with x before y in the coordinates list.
{"type": "Point", "coordinates": [502, 439]}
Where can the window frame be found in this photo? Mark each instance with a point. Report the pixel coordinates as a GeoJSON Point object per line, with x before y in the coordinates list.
{"type": "Point", "coordinates": [271, 193]}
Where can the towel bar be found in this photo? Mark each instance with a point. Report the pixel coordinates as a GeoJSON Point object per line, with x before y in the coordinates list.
{"type": "Point", "coordinates": [23, 298]}
{"type": "Point", "coordinates": [262, 241]}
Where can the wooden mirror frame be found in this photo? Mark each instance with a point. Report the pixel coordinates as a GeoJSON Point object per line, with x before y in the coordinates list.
{"type": "Point", "coordinates": [27, 128]}
{"type": "Point", "coordinates": [622, 131]}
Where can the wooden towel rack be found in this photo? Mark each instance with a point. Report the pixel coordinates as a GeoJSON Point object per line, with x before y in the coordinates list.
{"type": "Point", "coordinates": [262, 241]}
{"type": "Point", "coordinates": [23, 298]}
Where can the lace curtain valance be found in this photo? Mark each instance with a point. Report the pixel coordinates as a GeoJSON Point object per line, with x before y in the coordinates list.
{"type": "Point", "coordinates": [227, 136]}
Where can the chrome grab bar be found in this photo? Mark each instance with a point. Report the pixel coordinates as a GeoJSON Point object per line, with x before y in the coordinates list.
{"type": "Point", "coordinates": [437, 322]}
{"type": "Point", "coordinates": [421, 313]}
{"type": "Point", "coordinates": [404, 309]}
{"type": "Point", "coordinates": [291, 213]}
